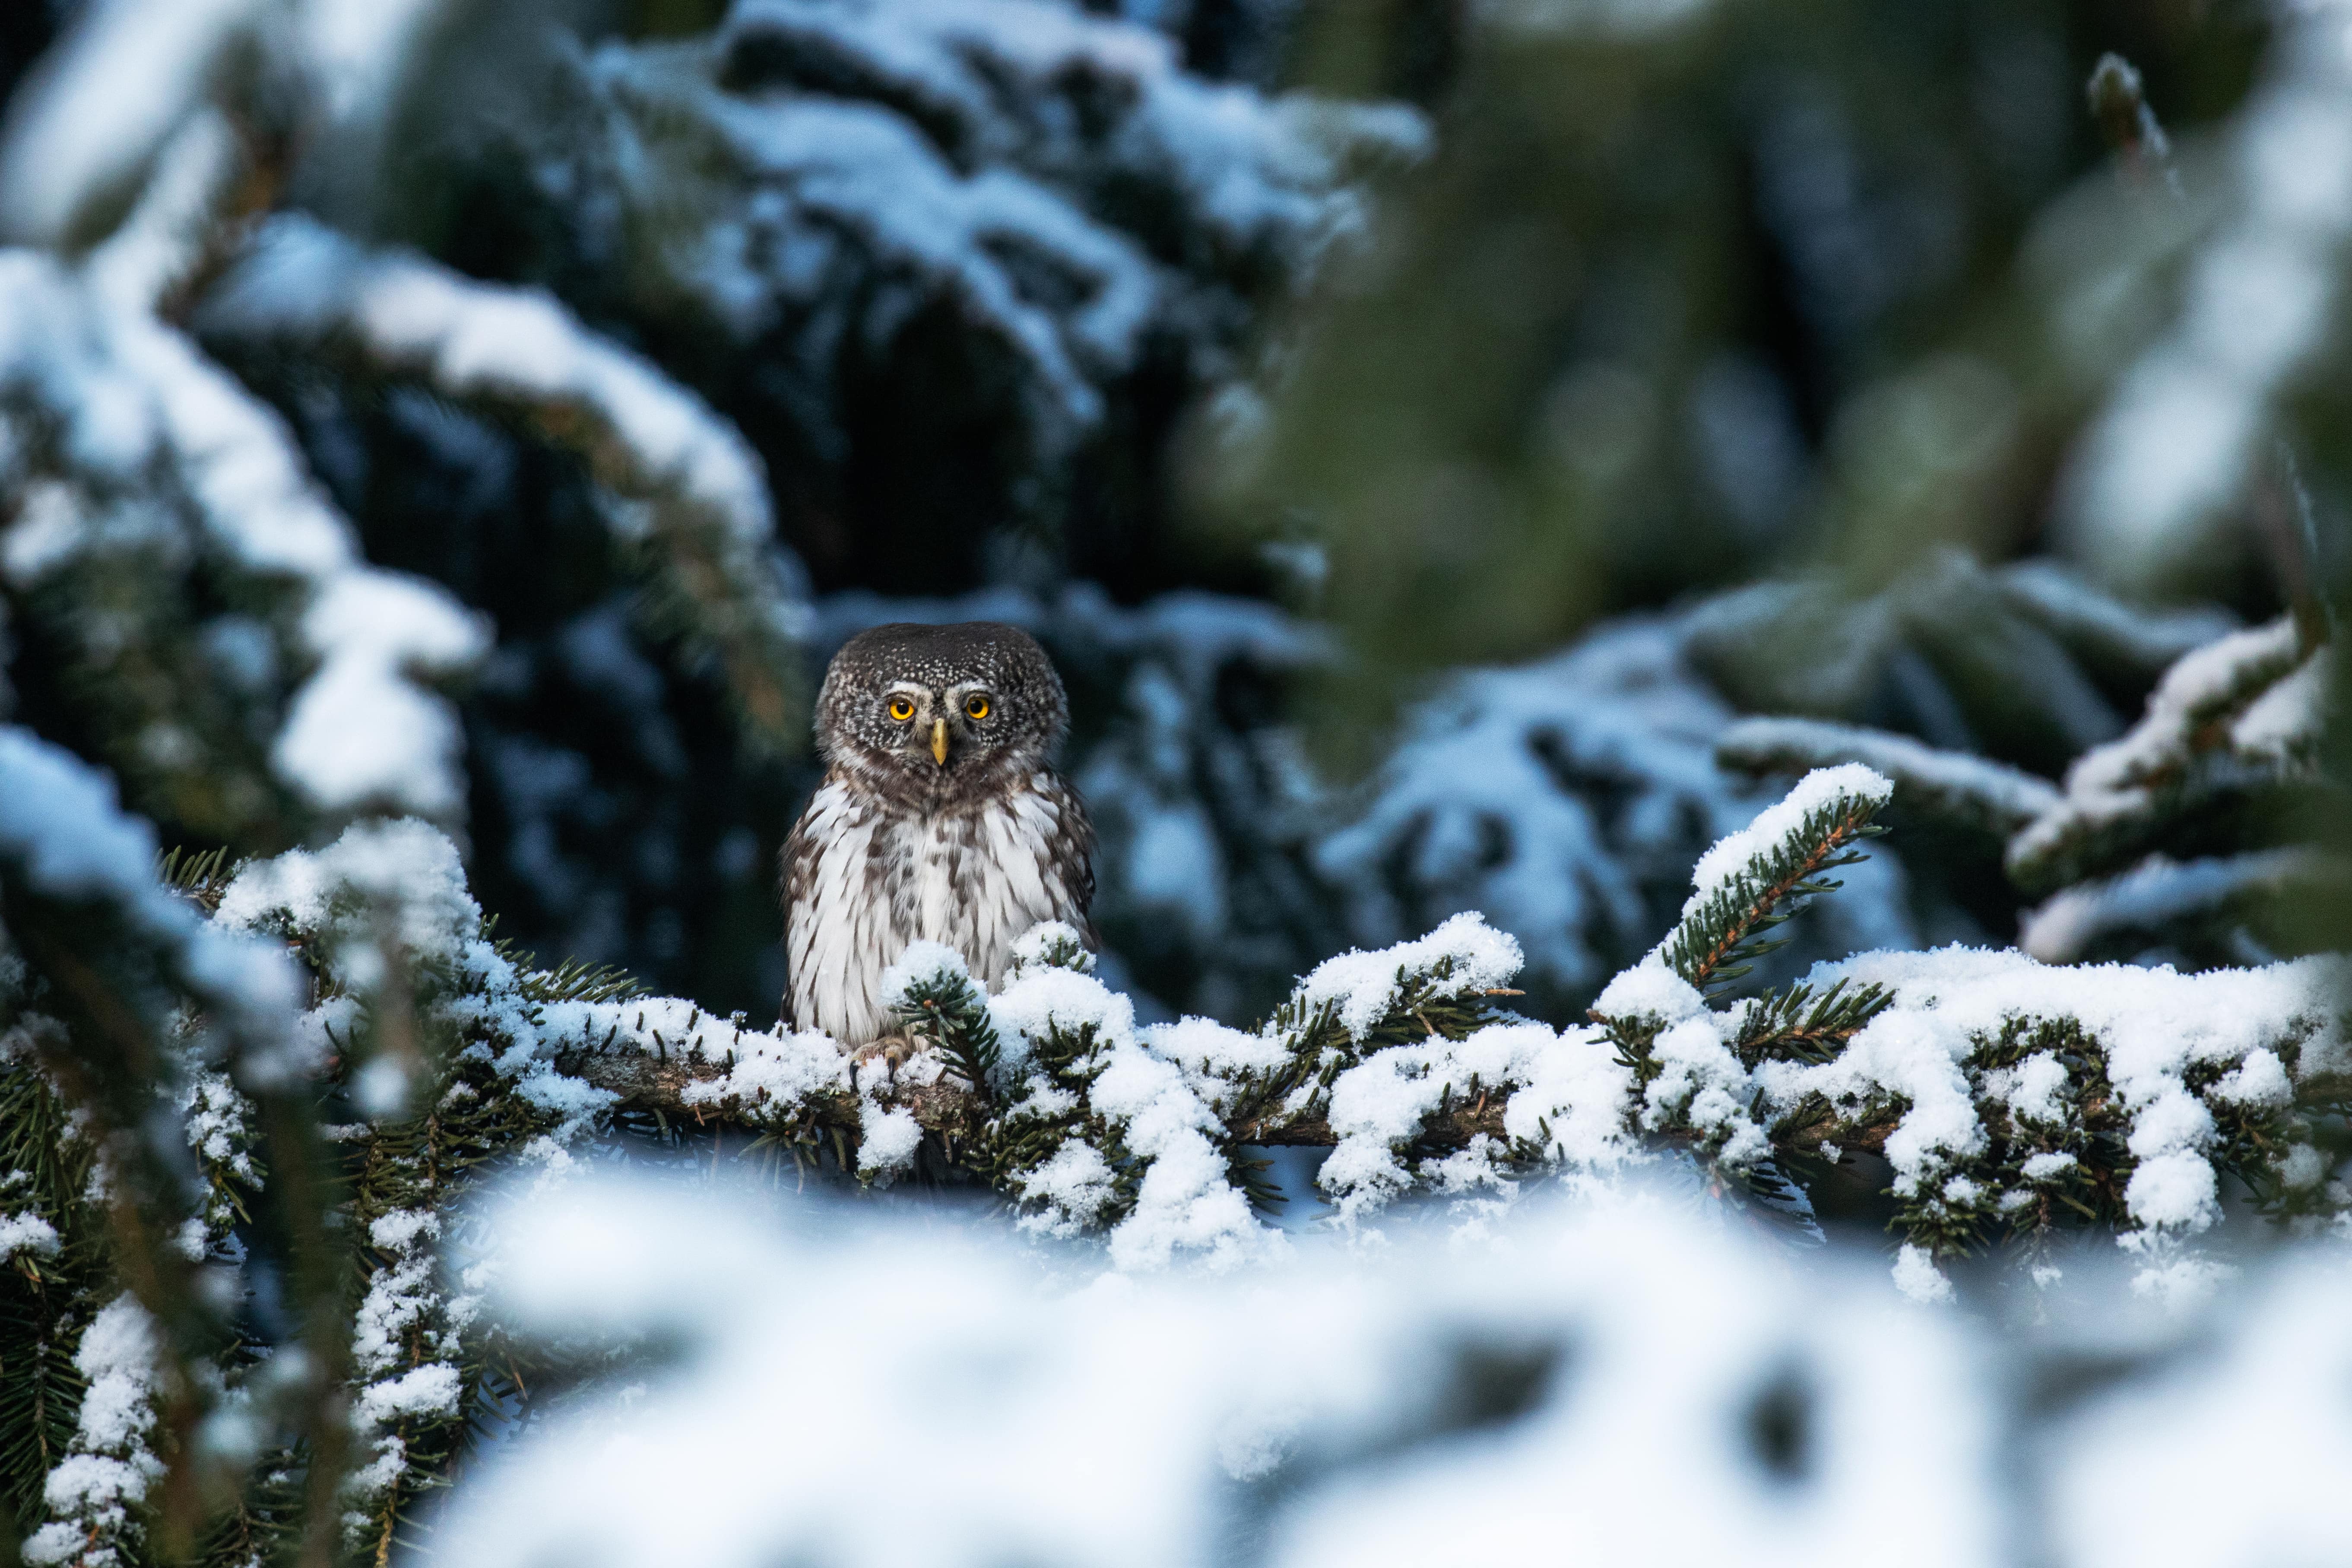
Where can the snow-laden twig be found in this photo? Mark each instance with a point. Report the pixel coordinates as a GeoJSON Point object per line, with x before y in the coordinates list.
{"type": "Point", "coordinates": [64, 838]}
{"type": "Point", "coordinates": [2009, 1096]}
{"type": "Point", "coordinates": [2119, 794]}
{"type": "Point", "coordinates": [95, 1491]}
{"type": "Point", "coordinates": [1955, 785]}
{"type": "Point", "coordinates": [141, 452]}
{"type": "Point", "coordinates": [2157, 894]}
{"type": "Point", "coordinates": [125, 77]}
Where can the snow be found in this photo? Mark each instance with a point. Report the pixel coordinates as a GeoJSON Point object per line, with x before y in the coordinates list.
{"type": "Point", "coordinates": [1185, 1205]}
{"type": "Point", "coordinates": [433, 1389]}
{"type": "Point", "coordinates": [684, 474]}
{"type": "Point", "coordinates": [168, 235]}
{"type": "Point", "coordinates": [2227, 1456]}
{"type": "Point", "coordinates": [126, 73]}
{"type": "Point", "coordinates": [990, 157]}
{"type": "Point", "coordinates": [1576, 1092]}
{"type": "Point", "coordinates": [381, 627]}
{"type": "Point", "coordinates": [1052, 943]}
{"type": "Point", "coordinates": [481, 342]}
{"type": "Point", "coordinates": [1567, 800]}
{"type": "Point", "coordinates": [60, 823]}
{"type": "Point", "coordinates": [1916, 1061]}
{"type": "Point", "coordinates": [1650, 990]}
{"type": "Point", "coordinates": [409, 865]}
{"type": "Point", "coordinates": [1628, 1347]}
{"type": "Point", "coordinates": [356, 48]}
{"type": "Point", "coordinates": [61, 828]}
{"type": "Point", "coordinates": [2284, 724]}
{"type": "Point", "coordinates": [1214, 1053]}
{"type": "Point", "coordinates": [767, 1073]}
{"type": "Point", "coordinates": [27, 1232]}
{"type": "Point", "coordinates": [140, 411]}
{"type": "Point", "coordinates": [1916, 1275]}
{"type": "Point", "coordinates": [1362, 987]}
{"type": "Point", "coordinates": [928, 963]}
{"type": "Point", "coordinates": [2153, 1024]}
{"type": "Point", "coordinates": [1378, 1106]}
{"type": "Point", "coordinates": [887, 1140]}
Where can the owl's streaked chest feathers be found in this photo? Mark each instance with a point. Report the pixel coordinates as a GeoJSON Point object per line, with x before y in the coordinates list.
{"type": "Point", "coordinates": [867, 874]}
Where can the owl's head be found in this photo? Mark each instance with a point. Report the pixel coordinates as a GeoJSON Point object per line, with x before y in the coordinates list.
{"type": "Point", "coordinates": [940, 704]}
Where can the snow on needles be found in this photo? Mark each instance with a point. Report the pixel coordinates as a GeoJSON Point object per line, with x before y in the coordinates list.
{"type": "Point", "coordinates": [1361, 987]}
{"type": "Point", "coordinates": [1182, 1202]}
{"type": "Point", "coordinates": [1957, 783]}
{"type": "Point", "coordinates": [991, 158]}
{"type": "Point", "coordinates": [1820, 788]}
{"type": "Point", "coordinates": [63, 832]}
{"type": "Point", "coordinates": [137, 406]}
{"type": "Point", "coordinates": [94, 1491]}
{"type": "Point", "coordinates": [2245, 677]}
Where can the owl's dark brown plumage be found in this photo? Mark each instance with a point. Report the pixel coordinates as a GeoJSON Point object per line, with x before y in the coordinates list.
{"type": "Point", "coordinates": [941, 817]}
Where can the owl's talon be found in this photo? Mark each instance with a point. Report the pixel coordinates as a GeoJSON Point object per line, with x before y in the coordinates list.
{"type": "Point", "coordinates": [894, 1050]}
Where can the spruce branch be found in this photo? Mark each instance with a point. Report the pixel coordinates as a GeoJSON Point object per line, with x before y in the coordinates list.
{"type": "Point", "coordinates": [1718, 940]}
{"type": "Point", "coordinates": [2188, 749]}
{"type": "Point", "coordinates": [683, 489]}
{"type": "Point", "coordinates": [1799, 1024]}
{"type": "Point", "coordinates": [945, 1010]}
{"type": "Point", "coordinates": [1958, 787]}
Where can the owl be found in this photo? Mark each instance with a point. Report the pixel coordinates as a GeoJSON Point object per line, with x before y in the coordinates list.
{"type": "Point", "coordinates": [941, 818]}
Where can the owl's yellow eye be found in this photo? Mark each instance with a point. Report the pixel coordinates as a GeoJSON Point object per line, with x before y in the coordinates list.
{"type": "Point", "coordinates": [902, 709]}
{"type": "Point", "coordinates": [975, 706]}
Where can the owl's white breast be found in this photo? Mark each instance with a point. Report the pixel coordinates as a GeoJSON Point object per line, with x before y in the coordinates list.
{"type": "Point", "coordinates": [974, 880]}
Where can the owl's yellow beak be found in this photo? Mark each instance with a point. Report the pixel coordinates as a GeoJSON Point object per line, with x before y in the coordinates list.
{"type": "Point", "coordinates": [940, 741]}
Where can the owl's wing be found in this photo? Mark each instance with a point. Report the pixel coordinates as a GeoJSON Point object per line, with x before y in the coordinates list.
{"type": "Point", "coordinates": [801, 864]}
{"type": "Point", "coordinates": [798, 861]}
{"type": "Point", "coordinates": [1067, 857]}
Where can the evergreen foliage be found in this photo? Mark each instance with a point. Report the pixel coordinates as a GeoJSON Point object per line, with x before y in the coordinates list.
{"type": "Point", "coordinates": [2187, 834]}
{"type": "Point", "coordinates": [482, 443]}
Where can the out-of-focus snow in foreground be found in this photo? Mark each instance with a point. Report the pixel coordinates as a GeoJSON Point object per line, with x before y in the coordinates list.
{"type": "Point", "coordinates": [1609, 1384]}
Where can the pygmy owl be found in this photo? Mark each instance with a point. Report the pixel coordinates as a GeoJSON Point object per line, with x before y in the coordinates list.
{"type": "Point", "coordinates": [941, 817]}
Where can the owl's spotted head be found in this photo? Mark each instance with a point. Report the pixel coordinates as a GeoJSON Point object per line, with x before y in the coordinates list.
{"type": "Point", "coordinates": [938, 704]}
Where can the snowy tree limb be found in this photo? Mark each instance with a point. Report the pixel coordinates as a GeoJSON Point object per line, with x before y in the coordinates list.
{"type": "Point", "coordinates": [949, 1108]}
{"type": "Point", "coordinates": [1956, 785]}
{"type": "Point", "coordinates": [684, 484]}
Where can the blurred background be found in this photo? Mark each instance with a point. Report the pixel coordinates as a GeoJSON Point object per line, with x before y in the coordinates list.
{"type": "Point", "coordinates": [1462, 455]}
{"type": "Point", "coordinates": [1419, 430]}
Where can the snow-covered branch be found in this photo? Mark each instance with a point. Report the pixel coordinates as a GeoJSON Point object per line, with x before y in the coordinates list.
{"type": "Point", "coordinates": [683, 483]}
{"type": "Point", "coordinates": [2250, 702]}
{"type": "Point", "coordinates": [1957, 785]}
{"type": "Point", "coordinates": [2238, 718]}
{"type": "Point", "coordinates": [2010, 1097]}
